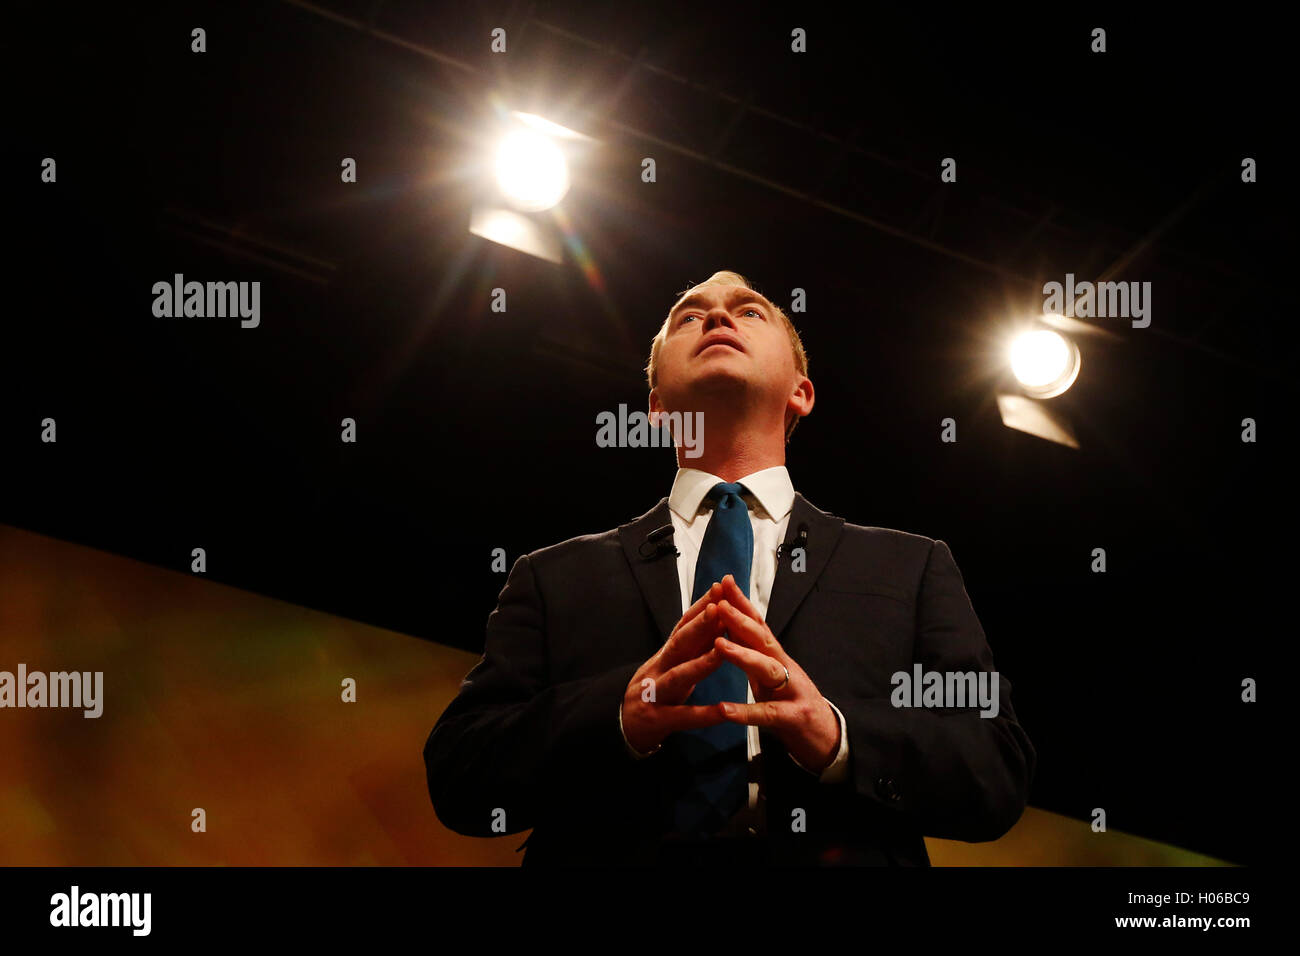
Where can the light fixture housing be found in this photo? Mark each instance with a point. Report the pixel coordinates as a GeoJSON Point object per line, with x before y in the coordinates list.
{"type": "Point", "coordinates": [524, 176]}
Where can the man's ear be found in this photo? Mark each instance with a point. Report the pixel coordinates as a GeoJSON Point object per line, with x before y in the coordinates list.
{"type": "Point", "coordinates": [801, 399]}
{"type": "Point", "coordinates": [656, 406]}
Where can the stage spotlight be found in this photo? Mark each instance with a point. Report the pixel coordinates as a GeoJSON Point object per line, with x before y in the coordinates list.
{"type": "Point", "coordinates": [1044, 362]}
{"type": "Point", "coordinates": [524, 176]}
{"type": "Point", "coordinates": [531, 170]}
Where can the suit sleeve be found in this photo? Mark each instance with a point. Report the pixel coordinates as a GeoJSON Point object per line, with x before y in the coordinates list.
{"type": "Point", "coordinates": [948, 773]}
{"type": "Point", "coordinates": [511, 739]}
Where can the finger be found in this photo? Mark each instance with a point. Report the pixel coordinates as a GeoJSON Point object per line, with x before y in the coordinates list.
{"type": "Point", "coordinates": [732, 593]}
{"type": "Point", "coordinates": [742, 629]}
{"type": "Point", "coordinates": [711, 596]}
{"type": "Point", "coordinates": [675, 685]}
{"type": "Point", "coordinates": [765, 673]}
{"type": "Point", "coordinates": [765, 713]}
{"type": "Point", "coordinates": [690, 640]}
{"type": "Point", "coordinates": [690, 717]}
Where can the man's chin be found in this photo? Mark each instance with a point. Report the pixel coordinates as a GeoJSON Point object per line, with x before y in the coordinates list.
{"type": "Point", "coordinates": [719, 379]}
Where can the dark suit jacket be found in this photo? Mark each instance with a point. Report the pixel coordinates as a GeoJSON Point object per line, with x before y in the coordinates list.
{"type": "Point", "coordinates": [534, 730]}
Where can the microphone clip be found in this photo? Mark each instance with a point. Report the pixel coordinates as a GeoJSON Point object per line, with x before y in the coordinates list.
{"type": "Point", "coordinates": [800, 542]}
{"type": "Point", "coordinates": [658, 543]}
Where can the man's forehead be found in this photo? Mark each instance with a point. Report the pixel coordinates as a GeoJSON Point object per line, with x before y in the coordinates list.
{"type": "Point", "coordinates": [731, 293]}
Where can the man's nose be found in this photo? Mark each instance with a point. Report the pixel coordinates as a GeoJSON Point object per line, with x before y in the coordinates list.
{"type": "Point", "coordinates": [718, 317]}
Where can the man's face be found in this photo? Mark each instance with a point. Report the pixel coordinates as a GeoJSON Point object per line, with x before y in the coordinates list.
{"type": "Point", "coordinates": [724, 338]}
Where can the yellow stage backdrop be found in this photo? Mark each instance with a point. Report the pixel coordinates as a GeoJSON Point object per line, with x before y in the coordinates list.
{"type": "Point", "coordinates": [219, 699]}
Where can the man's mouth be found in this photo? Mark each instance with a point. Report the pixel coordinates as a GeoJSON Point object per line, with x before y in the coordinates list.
{"type": "Point", "coordinates": [720, 340]}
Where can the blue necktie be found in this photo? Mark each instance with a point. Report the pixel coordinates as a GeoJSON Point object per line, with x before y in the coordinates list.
{"type": "Point", "coordinates": [718, 775]}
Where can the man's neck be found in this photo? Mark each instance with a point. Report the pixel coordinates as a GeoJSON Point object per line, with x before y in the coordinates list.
{"type": "Point", "coordinates": [733, 455]}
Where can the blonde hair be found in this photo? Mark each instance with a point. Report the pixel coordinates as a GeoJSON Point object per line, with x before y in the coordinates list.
{"type": "Point", "coordinates": [734, 278]}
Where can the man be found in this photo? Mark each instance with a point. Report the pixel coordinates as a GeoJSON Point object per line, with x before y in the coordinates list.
{"type": "Point", "coordinates": [713, 683]}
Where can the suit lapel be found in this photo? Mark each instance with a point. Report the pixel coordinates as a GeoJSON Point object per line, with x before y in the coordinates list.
{"type": "Point", "coordinates": [790, 587]}
{"type": "Point", "coordinates": [656, 573]}
{"type": "Point", "coordinates": [655, 570]}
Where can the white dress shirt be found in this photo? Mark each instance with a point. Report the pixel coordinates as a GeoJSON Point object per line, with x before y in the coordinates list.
{"type": "Point", "coordinates": [769, 497]}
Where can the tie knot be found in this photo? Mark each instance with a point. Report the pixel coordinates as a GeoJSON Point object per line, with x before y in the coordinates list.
{"type": "Point", "coordinates": [723, 490]}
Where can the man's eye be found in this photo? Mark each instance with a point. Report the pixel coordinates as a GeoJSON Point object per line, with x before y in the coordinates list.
{"type": "Point", "coordinates": [689, 315]}
{"type": "Point", "coordinates": [756, 312]}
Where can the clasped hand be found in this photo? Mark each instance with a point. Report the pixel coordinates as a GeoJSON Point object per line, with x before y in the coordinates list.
{"type": "Point", "coordinates": [724, 626]}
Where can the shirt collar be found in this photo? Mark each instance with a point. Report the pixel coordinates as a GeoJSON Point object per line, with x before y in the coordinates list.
{"type": "Point", "coordinates": [771, 488]}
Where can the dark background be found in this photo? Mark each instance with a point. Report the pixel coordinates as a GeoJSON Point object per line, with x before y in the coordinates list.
{"type": "Point", "coordinates": [817, 171]}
